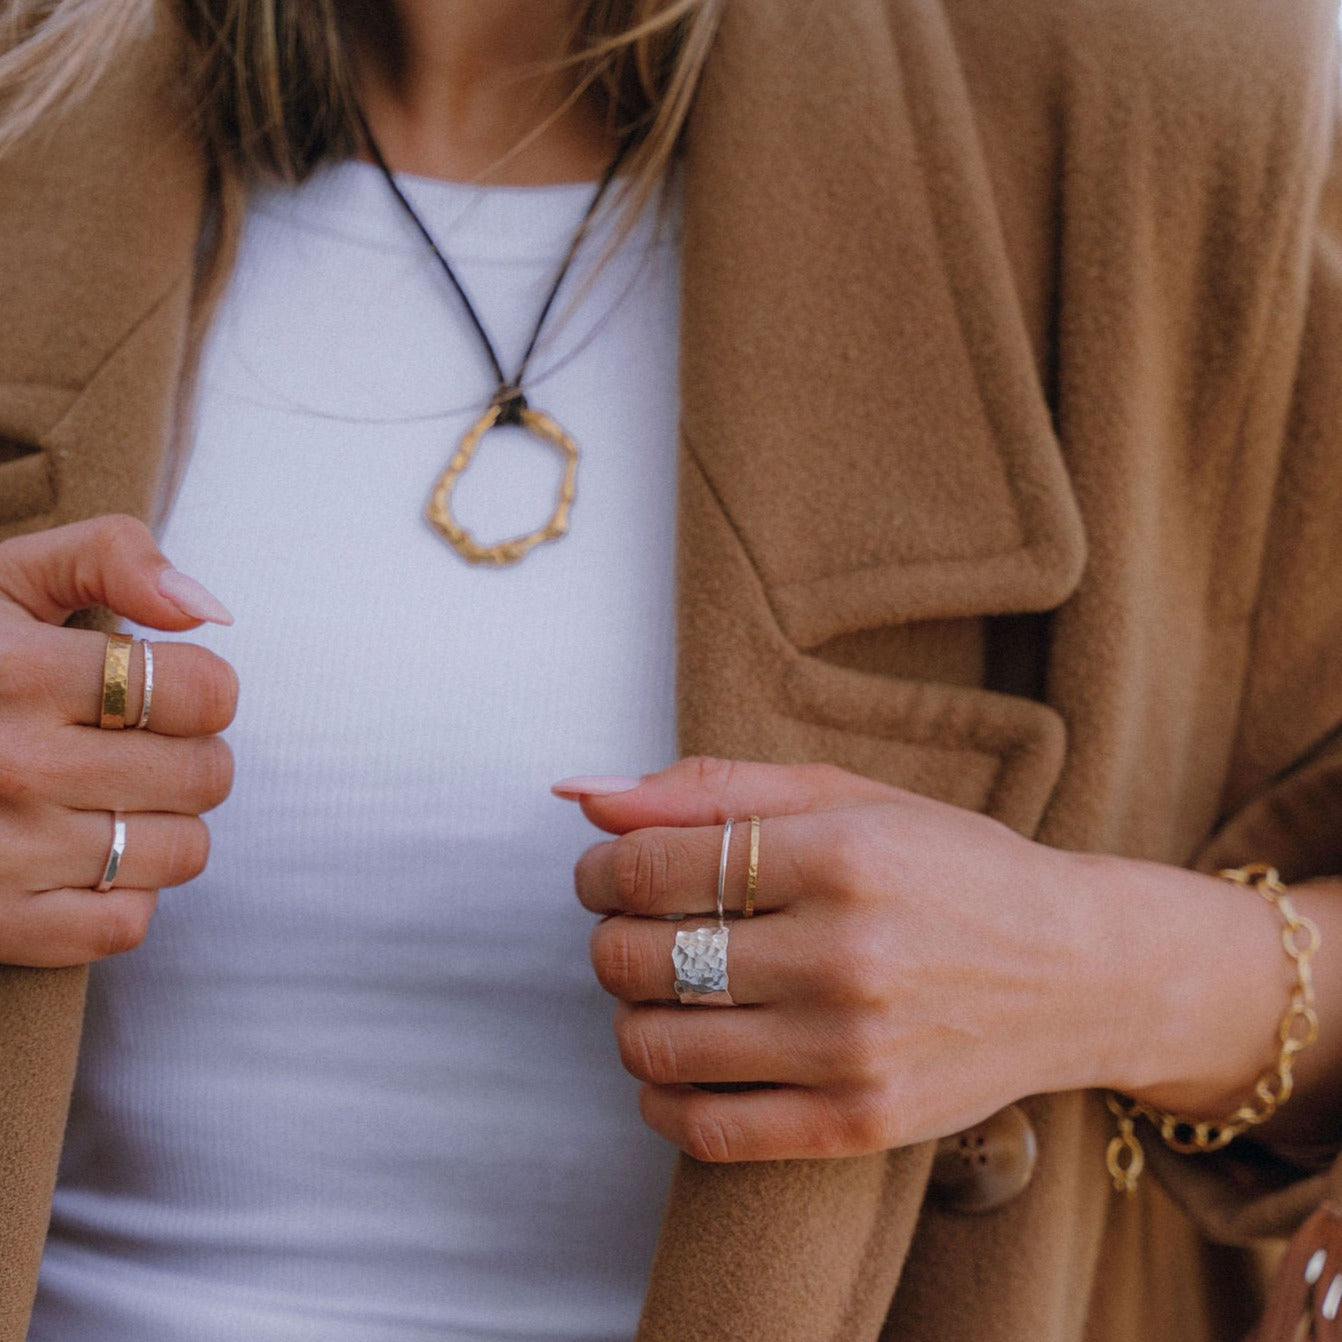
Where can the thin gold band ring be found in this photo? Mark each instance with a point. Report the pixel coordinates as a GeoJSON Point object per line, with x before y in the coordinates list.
{"type": "Point", "coordinates": [753, 870]}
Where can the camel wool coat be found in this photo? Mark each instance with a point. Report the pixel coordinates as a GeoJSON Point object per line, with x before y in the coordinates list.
{"type": "Point", "coordinates": [1010, 472]}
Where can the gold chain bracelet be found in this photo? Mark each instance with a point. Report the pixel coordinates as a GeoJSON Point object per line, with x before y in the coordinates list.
{"type": "Point", "coordinates": [1298, 1029]}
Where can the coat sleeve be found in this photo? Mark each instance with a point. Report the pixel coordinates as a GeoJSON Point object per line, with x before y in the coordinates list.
{"type": "Point", "coordinates": [1284, 805]}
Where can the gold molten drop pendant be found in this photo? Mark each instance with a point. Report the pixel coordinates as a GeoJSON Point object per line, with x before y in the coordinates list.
{"type": "Point", "coordinates": [509, 406]}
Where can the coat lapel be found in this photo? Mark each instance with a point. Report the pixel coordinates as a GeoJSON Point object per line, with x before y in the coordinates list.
{"type": "Point", "coordinates": [860, 391]}
{"type": "Point", "coordinates": [865, 442]}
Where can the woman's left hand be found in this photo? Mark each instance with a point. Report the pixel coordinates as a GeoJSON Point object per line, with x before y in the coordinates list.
{"type": "Point", "coordinates": [912, 966]}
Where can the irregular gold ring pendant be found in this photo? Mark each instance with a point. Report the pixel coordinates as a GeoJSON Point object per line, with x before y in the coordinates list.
{"type": "Point", "coordinates": [507, 408]}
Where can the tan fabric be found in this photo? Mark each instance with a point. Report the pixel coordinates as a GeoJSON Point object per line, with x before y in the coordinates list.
{"type": "Point", "coordinates": [1012, 409]}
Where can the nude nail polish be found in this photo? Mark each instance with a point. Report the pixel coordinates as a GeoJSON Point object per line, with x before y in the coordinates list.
{"type": "Point", "coordinates": [595, 785]}
{"type": "Point", "coordinates": [191, 598]}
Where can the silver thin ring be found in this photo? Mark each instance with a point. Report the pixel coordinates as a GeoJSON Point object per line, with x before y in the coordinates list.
{"type": "Point", "coordinates": [114, 854]}
{"type": "Point", "coordinates": [148, 684]}
{"type": "Point", "coordinates": [722, 868]}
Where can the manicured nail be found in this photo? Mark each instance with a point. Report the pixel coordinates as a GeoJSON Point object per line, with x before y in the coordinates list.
{"type": "Point", "coordinates": [191, 598]}
{"type": "Point", "coordinates": [594, 785]}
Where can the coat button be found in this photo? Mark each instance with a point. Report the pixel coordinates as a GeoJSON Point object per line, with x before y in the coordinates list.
{"type": "Point", "coordinates": [986, 1165]}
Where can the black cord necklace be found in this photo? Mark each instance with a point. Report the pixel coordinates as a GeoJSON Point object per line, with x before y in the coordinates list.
{"type": "Point", "coordinates": [508, 405]}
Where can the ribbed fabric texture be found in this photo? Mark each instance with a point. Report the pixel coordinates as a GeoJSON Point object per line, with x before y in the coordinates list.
{"type": "Point", "coordinates": [360, 1083]}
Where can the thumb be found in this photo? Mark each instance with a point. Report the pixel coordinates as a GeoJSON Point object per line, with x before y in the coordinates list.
{"type": "Point", "coordinates": [705, 791]}
{"type": "Point", "coordinates": [110, 561]}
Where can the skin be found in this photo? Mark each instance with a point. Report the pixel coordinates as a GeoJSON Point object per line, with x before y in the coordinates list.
{"type": "Point", "coordinates": [912, 968]}
{"type": "Point", "coordinates": [477, 92]}
{"type": "Point", "coordinates": [60, 774]}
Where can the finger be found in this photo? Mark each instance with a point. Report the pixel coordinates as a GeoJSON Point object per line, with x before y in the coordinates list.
{"type": "Point", "coordinates": [632, 959]}
{"type": "Point", "coordinates": [687, 1045]}
{"type": "Point", "coordinates": [110, 561]}
{"type": "Point", "coordinates": [705, 791]}
{"type": "Point", "coordinates": [195, 690]}
{"type": "Point", "coordinates": [71, 927]}
{"type": "Point", "coordinates": [655, 872]}
{"type": "Point", "coordinates": [72, 851]}
{"type": "Point", "coordinates": [788, 1123]}
{"type": "Point", "coordinates": [85, 769]}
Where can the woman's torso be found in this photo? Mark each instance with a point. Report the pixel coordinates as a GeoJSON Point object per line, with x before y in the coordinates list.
{"type": "Point", "coordinates": [360, 1081]}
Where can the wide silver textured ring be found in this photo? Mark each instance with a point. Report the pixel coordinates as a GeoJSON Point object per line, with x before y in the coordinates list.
{"type": "Point", "coordinates": [700, 960]}
{"type": "Point", "coordinates": [148, 685]}
{"type": "Point", "coordinates": [114, 854]}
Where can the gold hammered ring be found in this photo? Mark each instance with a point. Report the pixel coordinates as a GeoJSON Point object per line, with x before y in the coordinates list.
{"type": "Point", "coordinates": [114, 854]}
{"type": "Point", "coordinates": [753, 870]}
{"type": "Point", "coordinates": [116, 681]}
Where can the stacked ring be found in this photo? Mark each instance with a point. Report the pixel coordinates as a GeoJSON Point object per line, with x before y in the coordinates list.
{"type": "Point", "coordinates": [722, 868]}
{"type": "Point", "coordinates": [148, 685]}
{"type": "Point", "coordinates": [753, 870]}
{"type": "Point", "coordinates": [700, 955]}
{"type": "Point", "coordinates": [116, 681]}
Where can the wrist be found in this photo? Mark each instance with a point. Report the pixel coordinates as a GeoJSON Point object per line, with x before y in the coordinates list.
{"type": "Point", "coordinates": [1201, 962]}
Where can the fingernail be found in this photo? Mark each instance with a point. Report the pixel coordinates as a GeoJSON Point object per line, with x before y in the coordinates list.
{"type": "Point", "coordinates": [191, 598]}
{"type": "Point", "coordinates": [595, 785]}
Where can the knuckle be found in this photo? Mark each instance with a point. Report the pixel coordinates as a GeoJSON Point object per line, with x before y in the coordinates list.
{"type": "Point", "coordinates": [855, 1049]}
{"type": "Point", "coordinates": [121, 531]}
{"type": "Point", "coordinates": [18, 773]}
{"type": "Point", "coordinates": [31, 768]}
{"type": "Point", "coordinates": [825, 779]}
{"type": "Point", "coordinates": [848, 864]}
{"type": "Point", "coordinates": [625, 965]}
{"type": "Point", "coordinates": [189, 853]}
{"type": "Point", "coordinates": [20, 857]}
{"type": "Point", "coordinates": [210, 777]}
{"type": "Point", "coordinates": [587, 874]}
{"type": "Point", "coordinates": [214, 690]}
{"type": "Point", "coordinates": [21, 679]}
{"type": "Point", "coordinates": [646, 1051]}
{"type": "Point", "coordinates": [861, 976]}
{"type": "Point", "coordinates": [864, 1123]}
{"type": "Point", "coordinates": [712, 1139]}
{"type": "Point", "coordinates": [610, 956]}
{"type": "Point", "coordinates": [712, 774]}
{"type": "Point", "coordinates": [115, 526]}
{"type": "Point", "coordinates": [709, 768]}
{"type": "Point", "coordinates": [123, 926]}
{"type": "Point", "coordinates": [625, 870]}
{"type": "Point", "coordinates": [641, 872]}
{"type": "Point", "coordinates": [812, 785]}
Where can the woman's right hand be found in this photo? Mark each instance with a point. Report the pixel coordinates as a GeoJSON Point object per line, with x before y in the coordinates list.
{"type": "Point", "coordinates": [61, 776]}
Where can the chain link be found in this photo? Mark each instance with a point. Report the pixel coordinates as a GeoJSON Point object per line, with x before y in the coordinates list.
{"type": "Point", "coordinates": [1124, 1155]}
{"type": "Point", "coordinates": [1298, 1029]}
